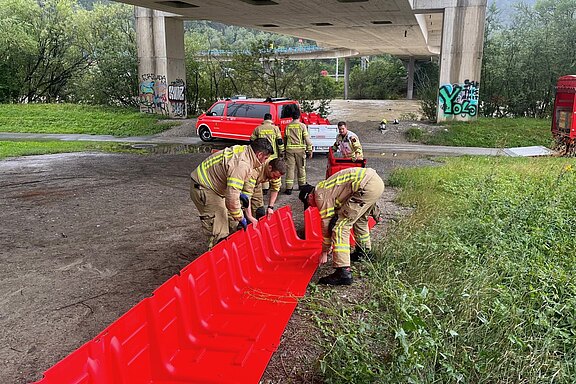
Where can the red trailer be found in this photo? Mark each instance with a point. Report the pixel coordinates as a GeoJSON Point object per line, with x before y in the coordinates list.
{"type": "Point", "coordinates": [564, 117]}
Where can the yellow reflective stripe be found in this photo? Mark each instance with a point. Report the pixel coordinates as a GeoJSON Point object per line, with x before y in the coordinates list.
{"type": "Point", "coordinates": [235, 183]}
{"type": "Point", "coordinates": [265, 132]}
{"type": "Point", "coordinates": [326, 213]}
{"type": "Point", "coordinates": [203, 176]}
{"type": "Point", "coordinates": [362, 237]}
{"type": "Point", "coordinates": [236, 213]}
{"type": "Point", "coordinates": [354, 177]}
{"type": "Point", "coordinates": [339, 240]}
{"type": "Point", "coordinates": [275, 184]}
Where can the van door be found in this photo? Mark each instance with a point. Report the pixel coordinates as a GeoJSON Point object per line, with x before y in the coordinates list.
{"type": "Point", "coordinates": [214, 117]}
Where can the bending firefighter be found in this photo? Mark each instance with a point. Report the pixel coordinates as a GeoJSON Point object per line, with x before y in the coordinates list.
{"type": "Point", "coordinates": [217, 182]}
{"type": "Point", "coordinates": [348, 196]}
{"type": "Point", "coordinates": [271, 172]}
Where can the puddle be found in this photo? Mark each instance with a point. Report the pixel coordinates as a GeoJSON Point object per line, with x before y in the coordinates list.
{"type": "Point", "coordinates": [176, 149]}
{"type": "Point", "coordinates": [396, 155]}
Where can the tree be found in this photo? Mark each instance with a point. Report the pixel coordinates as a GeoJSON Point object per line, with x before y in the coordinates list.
{"type": "Point", "coordinates": [110, 41]}
{"type": "Point", "coordinates": [385, 78]}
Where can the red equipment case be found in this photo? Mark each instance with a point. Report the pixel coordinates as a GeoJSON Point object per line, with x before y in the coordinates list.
{"type": "Point", "coordinates": [564, 117]}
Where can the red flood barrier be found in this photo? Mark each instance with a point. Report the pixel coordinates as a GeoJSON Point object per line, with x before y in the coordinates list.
{"type": "Point", "coordinates": [218, 321]}
{"type": "Point", "coordinates": [336, 164]}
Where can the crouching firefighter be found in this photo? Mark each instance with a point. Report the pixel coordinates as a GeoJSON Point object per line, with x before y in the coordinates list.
{"type": "Point", "coordinates": [350, 196]}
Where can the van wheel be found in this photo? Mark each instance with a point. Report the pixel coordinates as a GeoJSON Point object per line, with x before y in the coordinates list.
{"type": "Point", "coordinates": [205, 134]}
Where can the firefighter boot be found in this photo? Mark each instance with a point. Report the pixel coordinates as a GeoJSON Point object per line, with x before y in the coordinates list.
{"type": "Point", "coordinates": [341, 276]}
{"type": "Point", "coordinates": [361, 254]}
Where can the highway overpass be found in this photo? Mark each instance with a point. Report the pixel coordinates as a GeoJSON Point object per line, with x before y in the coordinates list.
{"type": "Point", "coordinates": [452, 30]}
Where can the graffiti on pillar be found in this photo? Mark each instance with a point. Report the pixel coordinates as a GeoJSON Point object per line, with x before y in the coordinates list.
{"type": "Point", "coordinates": [177, 97]}
{"type": "Point", "coordinates": [460, 99]}
{"type": "Point", "coordinates": [153, 90]}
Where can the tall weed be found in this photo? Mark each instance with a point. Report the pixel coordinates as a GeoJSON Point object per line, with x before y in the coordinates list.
{"type": "Point", "coordinates": [478, 286]}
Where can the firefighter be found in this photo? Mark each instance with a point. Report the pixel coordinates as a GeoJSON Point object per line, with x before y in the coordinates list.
{"type": "Point", "coordinates": [347, 143]}
{"type": "Point", "coordinates": [271, 172]}
{"type": "Point", "coordinates": [217, 182]}
{"type": "Point", "coordinates": [348, 197]}
{"type": "Point", "coordinates": [297, 147]}
{"type": "Point", "coordinates": [271, 132]}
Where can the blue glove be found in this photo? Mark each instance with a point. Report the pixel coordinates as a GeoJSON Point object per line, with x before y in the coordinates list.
{"type": "Point", "coordinates": [244, 200]}
{"type": "Point", "coordinates": [244, 223]}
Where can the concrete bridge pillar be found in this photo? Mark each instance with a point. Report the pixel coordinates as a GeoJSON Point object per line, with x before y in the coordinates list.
{"type": "Point", "coordinates": [461, 60]}
{"type": "Point", "coordinates": [346, 76]}
{"type": "Point", "coordinates": [410, 85]}
{"type": "Point", "coordinates": [161, 63]}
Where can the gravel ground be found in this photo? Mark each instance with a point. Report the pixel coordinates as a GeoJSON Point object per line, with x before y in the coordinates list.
{"type": "Point", "coordinates": [87, 236]}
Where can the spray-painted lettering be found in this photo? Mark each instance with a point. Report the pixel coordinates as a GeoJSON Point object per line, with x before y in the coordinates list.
{"type": "Point", "coordinates": [177, 98]}
{"type": "Point", "coordinates": [460, 99]}
{"type": "Point", "coordinates": [153, 98]}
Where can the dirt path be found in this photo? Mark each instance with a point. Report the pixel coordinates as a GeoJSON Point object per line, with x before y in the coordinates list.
{"type": "Point", "coordinates": [87, 236]}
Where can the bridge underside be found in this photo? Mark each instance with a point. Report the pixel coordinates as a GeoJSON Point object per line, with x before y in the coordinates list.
{"type": "Point", "coordinates": [409, 29]}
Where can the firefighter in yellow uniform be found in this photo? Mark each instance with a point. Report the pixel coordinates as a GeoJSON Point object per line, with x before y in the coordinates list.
{"type": "Point", "coordinates": [271, 132]}
{"type": "Point", "coordinates": [271, 172]}
{"type": "Point", "coordinates": [217, 182]}
{"type": "Point", "coordinates": [349, 196]}
{"type": "Point", "coordinates": [296, 146]}
{"type": "Point", "coordinates": [347, 143]}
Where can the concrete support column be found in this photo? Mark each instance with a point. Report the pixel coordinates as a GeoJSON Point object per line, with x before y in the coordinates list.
{"type": "Point", "coordinates": [346, 76]}
{"type": "Point", "coordinates": [161, 63]}
{"type": "Point", "coordinates": [461, 60]}
{"type": "Point", "coordinates": [410, 85]}
{"type": "Point", "coordinates": [364, 62]}
{"type": "Point", "coordinates": [337, 70]}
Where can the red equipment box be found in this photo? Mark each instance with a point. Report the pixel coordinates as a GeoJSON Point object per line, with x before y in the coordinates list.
{"type": "Point", "coordinates": [564, 118]}
{"type": "Point", "coordinates": [336, 164]}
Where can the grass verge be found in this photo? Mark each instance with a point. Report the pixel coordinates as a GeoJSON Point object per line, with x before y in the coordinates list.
{"type": "Point", "coordinates": [73, 118]}
{"type": "Point", "coordinates": [27, 148]}
{"type": "Point", "coordinates": [477, 286]}
{"type": "Point", "coordinates": [493, 133]}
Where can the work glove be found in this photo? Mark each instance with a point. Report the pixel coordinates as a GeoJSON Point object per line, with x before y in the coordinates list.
{"type": "Point", "coordinates": [244, 200]}
{"type": "Point", "coordinates": [244, 223]}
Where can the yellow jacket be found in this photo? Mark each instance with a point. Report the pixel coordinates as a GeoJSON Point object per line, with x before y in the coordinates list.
{"type": "Point", "coordinates": [297, 138]}
{"type": "Point", "coordinates": [349, 146]}
{"type": "Point", "coordinates": [333, 192]}
{"type": "Point", "coordinates": [225, 172]}
{"type": "Point", "coordinates": [269, 131]}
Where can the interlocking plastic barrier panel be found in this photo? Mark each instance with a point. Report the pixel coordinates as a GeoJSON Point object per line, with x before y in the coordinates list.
{"type": "Point", "coordinates": [336, 164]}
{"type": "Point", "coordinates": [218, 321]}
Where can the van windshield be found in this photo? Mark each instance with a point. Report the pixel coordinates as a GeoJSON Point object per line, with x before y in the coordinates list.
{"type": "Point", "coordinates": [217, 109]}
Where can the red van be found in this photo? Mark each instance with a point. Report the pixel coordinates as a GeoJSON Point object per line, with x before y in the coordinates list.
{"type": "Point", "coordinates": [236, 118]}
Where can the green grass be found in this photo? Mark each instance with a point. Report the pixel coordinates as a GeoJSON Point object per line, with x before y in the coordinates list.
{"type": "Point", "coordinates": [493, 133]}
{"type": "Point", "coordinates": [26, 148]}
{"type": "Point", "coordinates": [72, 118]}
{"type": "Point", "coordinates": [477, 286]}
